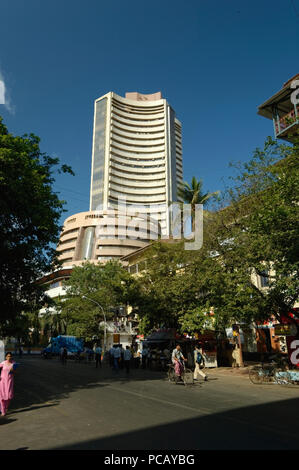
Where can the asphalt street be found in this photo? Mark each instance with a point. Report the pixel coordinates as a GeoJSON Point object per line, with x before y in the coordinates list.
{"type": "Point", "coordinates": [80, 407]}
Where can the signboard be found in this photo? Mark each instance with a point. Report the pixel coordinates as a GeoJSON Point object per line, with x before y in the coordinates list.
{"type": "Point", "coordinates": [285, 330]}
{"type": "Point", "coordinates": [2, 351]}
{"type": "Point", "coordinates": [293, 350]}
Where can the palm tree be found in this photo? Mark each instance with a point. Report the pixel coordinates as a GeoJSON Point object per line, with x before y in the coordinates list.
{"type": "Point", "coordinates": [193, 195]}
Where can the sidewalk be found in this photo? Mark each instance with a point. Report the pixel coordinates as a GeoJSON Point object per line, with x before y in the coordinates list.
{"type": "Point", "coordinates": [243, 371]}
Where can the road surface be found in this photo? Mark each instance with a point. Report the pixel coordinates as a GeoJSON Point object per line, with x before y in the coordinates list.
{"type": "Point", "coordinates": [80, 407]}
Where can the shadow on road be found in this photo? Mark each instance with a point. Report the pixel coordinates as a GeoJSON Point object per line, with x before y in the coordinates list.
{"type": "Point", "coordinates": [46, 382]}
{"type": "Point", "coordinates": [263, 427]}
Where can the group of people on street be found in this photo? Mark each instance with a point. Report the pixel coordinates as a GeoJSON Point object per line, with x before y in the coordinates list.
{"type": "Point", "coordinates": [120, 358]}
{"type": "Point", "coordinates": [7, 368]}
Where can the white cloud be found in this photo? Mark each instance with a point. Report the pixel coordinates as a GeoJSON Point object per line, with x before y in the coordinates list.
{"type": "Point", "coordinates": [2, 92]}
{"type": "Point", "coordinates": [4, 96]}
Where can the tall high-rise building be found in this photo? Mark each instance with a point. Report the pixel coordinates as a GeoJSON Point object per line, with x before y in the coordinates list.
{"type": "Point", "coordinates": [136, 154]}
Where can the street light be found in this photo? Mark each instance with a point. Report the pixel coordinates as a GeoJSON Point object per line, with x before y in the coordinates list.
{"type": "Point", "coordinates": [91, 300]}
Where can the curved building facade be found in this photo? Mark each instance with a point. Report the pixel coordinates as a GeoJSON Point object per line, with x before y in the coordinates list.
{"type": "Point", "coordinates": [100, 236]}
{"type": "Point", "coordinates": [137, 154]}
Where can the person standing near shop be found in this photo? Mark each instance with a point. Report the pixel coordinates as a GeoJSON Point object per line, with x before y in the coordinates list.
{"type": "Point", "coordinates": [116, 357]}
{"type": "Point", "coordinates": [6, 383]}
{"type": "Point", "coordinates": [198, 360]}
{"type": "Point", "coordinates": [127, 358]}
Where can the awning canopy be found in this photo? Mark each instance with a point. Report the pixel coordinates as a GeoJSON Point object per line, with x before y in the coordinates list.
{"type": "Point", "coordinates": [161, 336]}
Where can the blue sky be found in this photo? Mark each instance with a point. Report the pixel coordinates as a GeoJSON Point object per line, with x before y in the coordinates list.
{"type": "Point", "coordinates": [214, 61]}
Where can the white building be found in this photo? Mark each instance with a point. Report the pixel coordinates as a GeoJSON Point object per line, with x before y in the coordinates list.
{"type": "Point", "coordinates": [137, 154]}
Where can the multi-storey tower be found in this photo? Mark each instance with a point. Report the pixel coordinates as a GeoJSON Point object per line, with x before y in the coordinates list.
{"type": "Point", "coordinates": [136, 154]}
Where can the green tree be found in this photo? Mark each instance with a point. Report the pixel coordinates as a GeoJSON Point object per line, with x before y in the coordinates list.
{"type": "Point", "coordinates": [29, 222]}
{"type": "Point", "coordinates": [257, 234]}
{"type": "Point", "coordinates": [254, 232]}
{"type": "Point", "coordinates": [110, 285]}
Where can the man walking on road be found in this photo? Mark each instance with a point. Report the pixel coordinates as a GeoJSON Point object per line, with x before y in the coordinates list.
{"type": "Point", "coordinates": [198, 360]}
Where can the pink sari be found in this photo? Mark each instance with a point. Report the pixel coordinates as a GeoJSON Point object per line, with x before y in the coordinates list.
{"type": "Point", "coordinates": [6, 386]}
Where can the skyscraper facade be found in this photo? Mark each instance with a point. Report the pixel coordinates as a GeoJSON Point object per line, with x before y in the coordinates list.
{"type": "Point", "coordinates": [136, 154]}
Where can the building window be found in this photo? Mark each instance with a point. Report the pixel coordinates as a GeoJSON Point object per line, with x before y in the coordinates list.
{"type": "Point", "coordinates": [264, 278]}
{"type": "Point", "coordinates": [133, 269]}
{"type": "Point", "coordinates": [54, 284]}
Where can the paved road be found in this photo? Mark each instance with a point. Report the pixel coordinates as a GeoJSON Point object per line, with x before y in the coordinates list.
{"type": "Point", "coordinates": [80, 407]}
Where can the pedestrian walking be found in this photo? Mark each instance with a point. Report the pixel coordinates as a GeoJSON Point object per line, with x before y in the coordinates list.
{"type": "Point", "coordinates": [127, 358]}
{"type": "Point", "coordinates": [198, 360]}
{"type": "Point", "coordinates": [6, 383]}
{"type": "Point", "coordinates": [98, 355]}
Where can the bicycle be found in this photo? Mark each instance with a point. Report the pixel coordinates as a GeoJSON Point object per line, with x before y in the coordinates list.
{"type": "Point", "coordinates": [186, 377]}
{"type": "Point", "coordinates": [275, 372]}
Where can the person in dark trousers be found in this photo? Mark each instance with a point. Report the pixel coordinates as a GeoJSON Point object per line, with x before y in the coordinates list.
{"type": "Point", "coordinates": [98, 353]}
{"type": "Point", "coordinates": [127, 358]}
{"type": "Point", "coordinates": [111, 356]}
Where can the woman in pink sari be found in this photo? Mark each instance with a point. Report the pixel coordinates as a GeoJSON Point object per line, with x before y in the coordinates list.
{"type": "Point", "coordinates": [6, 383]}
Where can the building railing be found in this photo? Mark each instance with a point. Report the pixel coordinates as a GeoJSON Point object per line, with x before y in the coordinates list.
{"type": "Point", "coordinates": [283, 123]}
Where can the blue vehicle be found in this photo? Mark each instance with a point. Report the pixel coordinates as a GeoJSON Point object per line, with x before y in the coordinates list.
{"type": "Point", "coordinates": [73, 345]}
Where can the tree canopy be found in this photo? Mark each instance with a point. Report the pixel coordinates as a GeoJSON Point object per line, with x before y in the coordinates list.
{"type": "Point", "coordinates": [29, 222]}
{"type": "Point", "coordinates": [251, 236]}
{"type": "Point", "coordinates": [110, 285]}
